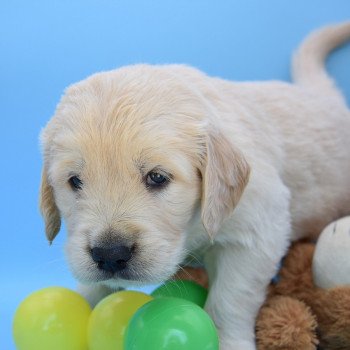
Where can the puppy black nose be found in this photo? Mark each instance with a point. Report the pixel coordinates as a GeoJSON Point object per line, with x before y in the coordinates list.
{"type": "Point", "coordinates": [112, 259]}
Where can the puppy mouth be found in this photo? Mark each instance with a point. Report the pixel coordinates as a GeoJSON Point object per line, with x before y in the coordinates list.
{"type": "Point", "coordinates": [94, 274]}
{"type": "Point", "coordinates": [127, 278]}
{"type": "Point", "coordinates": [118, 270]}
{"type": "Point", "coordinates": [134, 274]}
{"type": "Point", "coordinates": [132, 271]}
{"type": "Point", "coordinates": [125, 275]}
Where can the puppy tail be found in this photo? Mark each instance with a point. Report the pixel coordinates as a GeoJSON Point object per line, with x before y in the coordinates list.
{"type": "Point", "coordinates": [309, 60]}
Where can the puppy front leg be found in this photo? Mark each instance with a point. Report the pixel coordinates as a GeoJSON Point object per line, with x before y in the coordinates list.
{"type": "Point", "coordinates": [238, 278]}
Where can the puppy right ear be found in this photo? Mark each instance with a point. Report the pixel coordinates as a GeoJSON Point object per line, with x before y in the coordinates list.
{"type": "Point", "coordinates": [48, 208]}
{"type": "Point", "coordinates": [225, 174]}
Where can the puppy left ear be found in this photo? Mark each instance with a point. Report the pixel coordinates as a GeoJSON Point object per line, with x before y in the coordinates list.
{"type": "Point", "coordinates": [49, 209]}
{"type": "Point", "coordinates": [225, 174]}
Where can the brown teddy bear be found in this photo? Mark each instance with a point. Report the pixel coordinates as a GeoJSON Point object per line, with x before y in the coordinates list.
{"type": "Point", "coordinates": [297, 314]}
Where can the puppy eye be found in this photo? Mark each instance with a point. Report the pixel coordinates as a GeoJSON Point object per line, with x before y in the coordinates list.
{"type": "Point", "coordinates": [75, 183]}
{"type": "Point", "coordinates": [155, 179]}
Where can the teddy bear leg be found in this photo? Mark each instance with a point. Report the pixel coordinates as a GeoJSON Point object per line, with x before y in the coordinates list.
{"type": "Point", "coordinates": [332, 309]}
{"type": "Point", "coordinates": [285, 323]}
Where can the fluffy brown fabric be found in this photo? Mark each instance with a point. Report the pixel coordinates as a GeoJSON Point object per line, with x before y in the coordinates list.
{"type": "Point", "coordinates": [286, 323]}
{"type": "Point", "coordinates": [330, 307]}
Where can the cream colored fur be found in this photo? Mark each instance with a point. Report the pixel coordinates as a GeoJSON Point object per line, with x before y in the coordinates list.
{"type": "Point", "coordinates": [253, 166]}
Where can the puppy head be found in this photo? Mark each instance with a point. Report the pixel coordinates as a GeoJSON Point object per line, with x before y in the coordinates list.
{"type": "Point", "coordinates": [129, 160]}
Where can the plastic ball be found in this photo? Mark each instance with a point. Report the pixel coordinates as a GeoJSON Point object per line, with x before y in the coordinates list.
{"type": "Point", "coordinates": [182, 289]}
{"type": "Point", "coordinates": [171, 324]}
{"type": "Point", "coordinates": [110, 318]}
{"type": "Point", "coordinates": [52, 318]}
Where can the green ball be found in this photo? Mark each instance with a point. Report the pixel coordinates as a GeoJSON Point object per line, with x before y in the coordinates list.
{"type": "Point", "coordinates": [52, 318]}
{"type": "Point", "coordinates": [171, 324]}
{"type": "Point", "coordinates": [182, 289]}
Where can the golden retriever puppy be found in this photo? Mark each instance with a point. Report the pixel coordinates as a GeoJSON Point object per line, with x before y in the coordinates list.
{"type": "Point", "coordinates": [152, 167]}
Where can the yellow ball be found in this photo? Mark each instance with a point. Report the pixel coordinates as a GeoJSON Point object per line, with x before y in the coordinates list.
{"type": "Point", "coordinates": [52, 318]}
{"type": "Point", "coordinates": [110, 318]}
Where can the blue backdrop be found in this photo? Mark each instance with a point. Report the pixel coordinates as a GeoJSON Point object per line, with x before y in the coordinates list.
{"type": "Point", "coordinates": [47, 45]}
